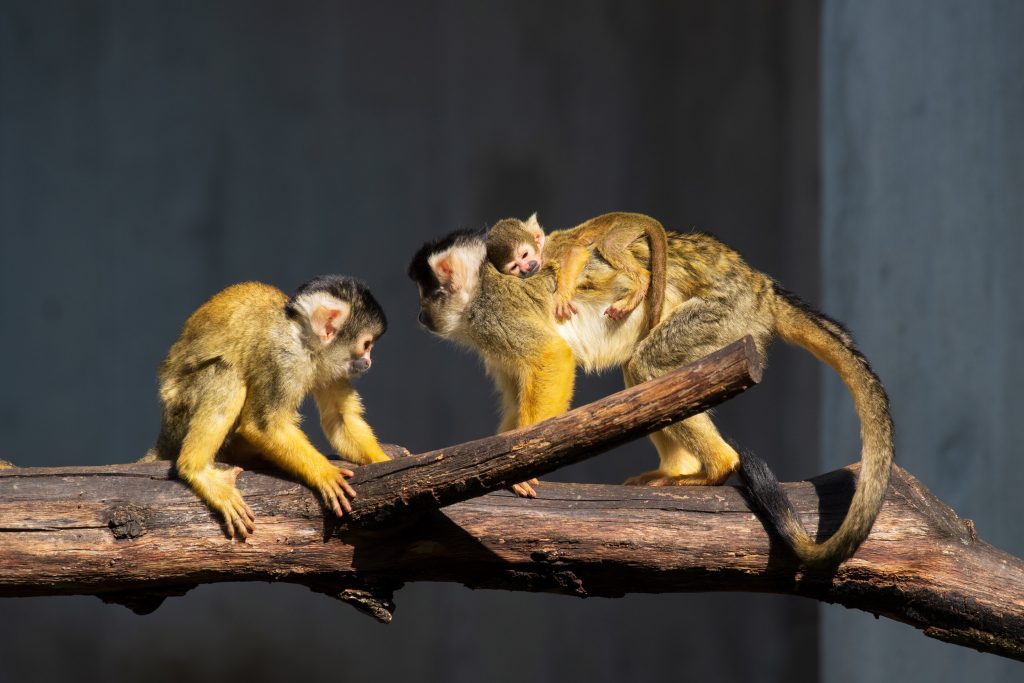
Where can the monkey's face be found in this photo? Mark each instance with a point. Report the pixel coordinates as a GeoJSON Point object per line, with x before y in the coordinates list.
{"type": "Point", "coordinates": [514, 247]}
{"type": "Point", "coordinates": [525, 261]}
{"type": "Point", "coordinates": [359, 353]}
{"type": "Point", "coordinates": [341, 320]}
{"type": "Point", "coordinates": [447, 274]}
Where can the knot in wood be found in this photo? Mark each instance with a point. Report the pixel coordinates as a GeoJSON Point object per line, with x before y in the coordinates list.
{"type": "Point", "coordinates": [127, 521]}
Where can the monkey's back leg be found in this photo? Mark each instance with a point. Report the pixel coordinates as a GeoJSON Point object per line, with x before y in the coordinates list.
{"type": "Point", "coordinates": [614, 248]}
{"type": "Point", "coordinates": [692, 452]}
{"type": "Point", "coordinates": [203, 408]}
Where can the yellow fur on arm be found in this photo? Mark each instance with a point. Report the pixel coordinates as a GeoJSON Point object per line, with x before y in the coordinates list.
{"type": "Point", "coordinates": [341, 416]}
{"type": "Point", "coordinates": [546, 386]}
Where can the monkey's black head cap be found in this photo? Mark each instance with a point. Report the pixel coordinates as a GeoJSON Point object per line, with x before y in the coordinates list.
{"type": "Point", "coordinates": [366, 312]}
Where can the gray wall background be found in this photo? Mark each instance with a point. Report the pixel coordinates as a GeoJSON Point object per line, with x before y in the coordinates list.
{"type": "Point", "coordinates": [151, 154]}
{"type": "Point", "coordinates": [923, 234]}
{"type": "Point", "coordinates": [154, 153]}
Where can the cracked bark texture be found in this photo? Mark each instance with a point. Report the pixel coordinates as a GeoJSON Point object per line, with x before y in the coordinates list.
{"type": "Point", "coordinates": [133, 534]}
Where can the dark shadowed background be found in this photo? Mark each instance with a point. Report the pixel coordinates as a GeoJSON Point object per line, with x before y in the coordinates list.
{"type": "Point", "coordinates": [151, 154]}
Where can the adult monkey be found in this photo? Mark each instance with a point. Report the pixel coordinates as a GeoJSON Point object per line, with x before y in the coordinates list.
{"type": "Point", "coordinates": [712, 298]}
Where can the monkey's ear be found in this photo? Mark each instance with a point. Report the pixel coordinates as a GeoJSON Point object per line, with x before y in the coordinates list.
{"type": "Point", "coordinates": [457, 268]}
{"type": "Point", "coordinates": [326, 320]}
{"type": "Point", "coordinates": [326, 314]}
{"type": "Point", "coordinates": [533, 227]}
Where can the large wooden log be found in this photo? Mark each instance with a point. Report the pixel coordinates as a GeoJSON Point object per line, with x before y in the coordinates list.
{"type": "Point", "coordinates": [134, 534]}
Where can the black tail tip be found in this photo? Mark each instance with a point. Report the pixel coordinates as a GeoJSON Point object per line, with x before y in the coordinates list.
{"type": "Point", "coordinates": [765, 494]}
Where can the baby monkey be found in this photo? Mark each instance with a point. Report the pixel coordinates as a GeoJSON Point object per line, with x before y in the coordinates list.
{"type": "Point", "coordinates": [233, 382]}
{"type": "Point", "coordinates": [521, 249]}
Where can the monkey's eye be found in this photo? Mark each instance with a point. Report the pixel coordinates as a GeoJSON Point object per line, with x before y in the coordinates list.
{"type": "Point", "coordinates": [526, 254]}
{"type": "Point", "coordinates": [363, 344]}
{"type": "Point", "coordinates": [513, 268]}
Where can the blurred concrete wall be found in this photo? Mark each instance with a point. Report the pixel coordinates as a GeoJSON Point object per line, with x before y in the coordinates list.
{"type": "Point", "coordinates": [923, 177]}
{"type": "Point", "coordinates": [152, 154]}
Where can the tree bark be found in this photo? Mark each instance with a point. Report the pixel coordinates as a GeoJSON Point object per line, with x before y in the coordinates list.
{"type": "Point", "coordinates": [133, 534]}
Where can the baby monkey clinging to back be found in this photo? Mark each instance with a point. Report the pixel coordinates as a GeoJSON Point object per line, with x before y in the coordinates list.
{"type": "Point", "coordinates": [233, 382]}
{"type": "Point", "coordinates": [517, 248]}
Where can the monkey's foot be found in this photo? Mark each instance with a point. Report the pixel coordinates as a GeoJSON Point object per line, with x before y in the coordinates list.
{"type": "Point", "coordinates": [525, 489]}
{"type": "Point", "coordinates": [217, 487]}
{"type": "Point", "coordinates": [659, 478]}
{"type": "Point", "coordinates": [335, 489]}
{"type": "Point", "coordinates": [620, 309]}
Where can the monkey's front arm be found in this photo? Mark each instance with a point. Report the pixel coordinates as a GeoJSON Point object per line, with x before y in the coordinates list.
{"type": "Point", "coordinates": [341, 416]}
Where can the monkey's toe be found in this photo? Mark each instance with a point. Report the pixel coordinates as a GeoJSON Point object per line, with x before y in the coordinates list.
{"type": "Point", "coordinates": [525, 489]}
{"type": "Point", "coordinates": [619, 310]}
{"type": "Point", "coordinates": [644, 479]}
{"type": "Point", "coordinates": [659, 478]}
{"type": "Point", "coordinates": [238, 518]}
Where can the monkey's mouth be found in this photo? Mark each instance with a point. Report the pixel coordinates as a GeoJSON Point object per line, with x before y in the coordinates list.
{"type": "Point", "coordinates": [531, 271]}
{"type": "Point", "coordinates": [358, 366]}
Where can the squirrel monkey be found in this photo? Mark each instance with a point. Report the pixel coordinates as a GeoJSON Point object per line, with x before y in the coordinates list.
{"type": "Point", "coordinates": [521, 249]}
{"type": "Point", "coordinates": [233, 382]}
{"type": "Point", "coordinates": [712, 298]}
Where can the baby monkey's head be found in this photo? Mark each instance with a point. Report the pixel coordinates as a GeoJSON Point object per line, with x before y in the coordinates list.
{"type": "Point", "coordinates": [515, 247]}
{"type": "Point", "coordinates": [340, 319]}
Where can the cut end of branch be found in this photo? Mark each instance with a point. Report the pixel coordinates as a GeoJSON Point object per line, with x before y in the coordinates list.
{"type": "Point", "coordinates": [755, 368]}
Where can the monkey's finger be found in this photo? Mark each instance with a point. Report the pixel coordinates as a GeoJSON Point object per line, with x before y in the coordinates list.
{"type": "Point", "coordinates": [337, 500]}
{"type": "Point", "coordinates": [534, 482]}
{"type": "Point", "coordinates": [331, 499]}
{"type": "Point", "coordinates": [339, 491]}
{"type": "Point", "coordinates": [346, 488]}
{"type": "Point", "coordinates": [572, 307]}
{"type": "Point", "coordinates": [346, 472]}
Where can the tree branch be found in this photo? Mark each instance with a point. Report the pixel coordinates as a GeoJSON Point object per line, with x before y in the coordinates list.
{"type": "Point", "coordinates": [457, 473]}
{"type": "Point", "coordinates": [133, 534]}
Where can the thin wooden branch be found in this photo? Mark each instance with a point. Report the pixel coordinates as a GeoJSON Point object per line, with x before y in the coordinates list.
{"type": "Point", "coordinates": [449, 475]}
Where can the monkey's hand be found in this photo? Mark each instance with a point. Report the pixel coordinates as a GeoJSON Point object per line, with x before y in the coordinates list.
{"type": "Point", "coordinates": [334, 488]}
{"type": "Point", "coordinates": [564, 307]}
{"type": "Point", "coordinates": [525, 489]}
{"type": "Point", "coordinates": [217, 487]}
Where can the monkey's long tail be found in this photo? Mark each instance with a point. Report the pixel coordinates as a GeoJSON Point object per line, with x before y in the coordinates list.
{"type": "Point", "coordinates": [831, 344]}
{"type": "Point", "coordinates": [657, 242]}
